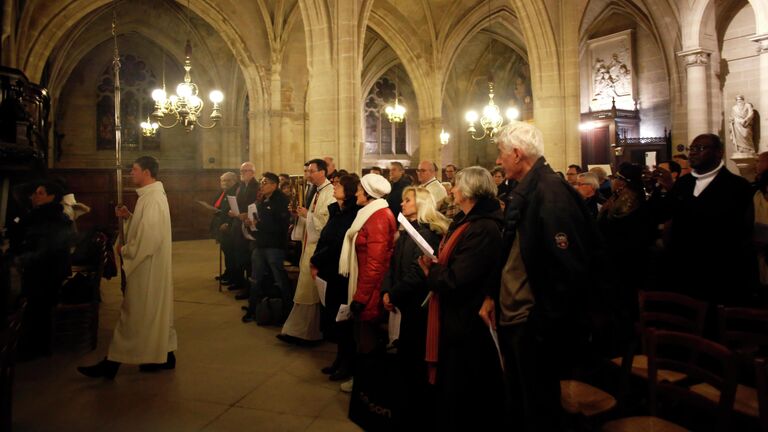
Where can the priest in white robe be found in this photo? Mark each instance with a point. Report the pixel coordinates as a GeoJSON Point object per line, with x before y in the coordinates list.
{"type": "Point", "coordinates": [144, 334]}
{"type": "Point", "coordinates": [303, 323]}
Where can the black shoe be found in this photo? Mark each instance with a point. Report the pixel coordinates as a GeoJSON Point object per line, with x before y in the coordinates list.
{"type": "Point", "coordinates": [245, 308]}
{"type": "Point", "coordinates": [288, 339]}
{"type": "Point", "coordinates": [106, 369]}
{"type": "Point", "coordinates": [169, 364]}
{"type": "Point", "coordinates": [248, 317]}
{"type": "Point", "coordinates": [330, 370]}
{"type": "Point", "coordinates": [244, 295]}
{"type": "Point", "coordinates": [340, 375]}
{"type": "Point", "coordinates": [233, 286]}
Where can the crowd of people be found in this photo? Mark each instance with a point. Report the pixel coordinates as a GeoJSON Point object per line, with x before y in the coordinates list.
{"type": "Point", "coordinates": [551, 263]}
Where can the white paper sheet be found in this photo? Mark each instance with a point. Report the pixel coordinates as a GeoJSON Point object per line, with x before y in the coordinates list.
{"type": "Point", "coordinates": [251, 212]}
{"type": "Point", "coordinates": [417, 238]}
{"type": "Point", "coordinates": [321, 287]}
{"type": "Point", "coordinates": [394, 325]}
{"type": "Point", "coordinates": [232, 200]}
{"type": "Point", "coordinates": [298, 229]}
{"type": "Point", "coordinates": [344, 314]}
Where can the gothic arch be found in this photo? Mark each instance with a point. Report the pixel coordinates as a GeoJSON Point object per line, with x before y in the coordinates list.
{"type": "Point", "coordinates": [55, 27]}
{"type": "Point", "coordinates": [693, 32]}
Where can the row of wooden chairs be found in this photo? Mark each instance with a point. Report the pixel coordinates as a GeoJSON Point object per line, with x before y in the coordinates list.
{"type": "Point", "coordinates": [677, 322]}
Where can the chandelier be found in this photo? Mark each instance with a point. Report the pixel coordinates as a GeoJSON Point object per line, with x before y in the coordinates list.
{"type": "Point", "coordinates": [395, 113]}
{"type": "Point", "coordinates": [491, 120]}
{"type": "Point", "coordinates": [185, 107]}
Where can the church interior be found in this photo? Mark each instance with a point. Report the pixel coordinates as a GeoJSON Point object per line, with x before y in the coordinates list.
{"type": "Point", "coordinates": [282, 82]}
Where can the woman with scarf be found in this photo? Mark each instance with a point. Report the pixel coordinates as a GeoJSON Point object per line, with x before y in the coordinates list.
{"type": "Point", "coordinates": [462, 361]}
{"type": "Point", "coordinates": [365, 257]}
{"type": "Point", "coordinates": [405, 288]}
{"type": "Point", "coordinates": [325, 265]}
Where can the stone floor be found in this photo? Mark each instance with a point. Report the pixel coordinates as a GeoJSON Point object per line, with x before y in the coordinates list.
{"type": "Point", "coordinates": [230, 376]}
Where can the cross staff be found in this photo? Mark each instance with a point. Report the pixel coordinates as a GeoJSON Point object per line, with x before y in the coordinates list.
{"type": "Point", "coordinates": [118, 134]}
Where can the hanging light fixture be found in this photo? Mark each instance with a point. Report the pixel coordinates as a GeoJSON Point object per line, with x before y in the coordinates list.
{"type": "Point", "coordinates": [491, 119]}
{"type": "Point", "coordinates": [185, 106]}
{"type": "Point", "coordinates": [444, 137]}
{"type": "Point", "coordinates": [395, 113]}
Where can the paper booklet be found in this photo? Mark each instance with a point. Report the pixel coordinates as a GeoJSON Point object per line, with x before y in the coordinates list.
{"type": "Point", "coordinates": [344, 314]}
{"type": "Point", "coordinates": [206, 205]}
{"type": "Point", "coordinates": [417, 238]}
{"type": "Point", "coordinates": [321, 286]}
{"type": "Point", "coordinates": [252, 215]}
{"type": "Point", "coordinates": [232, 200]}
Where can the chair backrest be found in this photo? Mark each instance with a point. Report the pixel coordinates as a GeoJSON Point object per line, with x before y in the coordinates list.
{"type": "Point", "coordinates": [761, 372]}
{"type": "Point", "coordinates": [671, 311]}
{"type": "Point", "coordinates": [743, 329]}
{"type": "Point", "coordinates": [715, 366]}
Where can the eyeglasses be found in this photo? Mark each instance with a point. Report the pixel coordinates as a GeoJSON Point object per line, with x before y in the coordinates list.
{"type": "Point", "coordinates": [246, 170]}
{"type": "Point", "coordinates": [422, 170]}
{"type": "Point", "coordinates": [699, 148]}
{"type": "Point", "coordinates": [265, 182]}
{"type": "Point", "coordinates": [583, 184]}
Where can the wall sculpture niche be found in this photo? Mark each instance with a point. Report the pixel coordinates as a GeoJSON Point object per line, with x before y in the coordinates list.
{"type": "Point", "coordinates": [137, 82]}
{"type": "Point", "coordinates": [613, 76]}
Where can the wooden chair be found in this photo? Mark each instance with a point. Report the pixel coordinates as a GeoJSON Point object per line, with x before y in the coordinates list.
{"type": "Point", "coordinates": [666, 311]}
{"type": "Point", "coordinates": [761, 373]}
{"type": "Point", "coordinates": [9, 338]}
{"type": "Point", "coordinates": [745, 332]}
{"type": "Point", "coordinates": [76, 325]}
{"type": "Point", "coordinates": [659, 343]}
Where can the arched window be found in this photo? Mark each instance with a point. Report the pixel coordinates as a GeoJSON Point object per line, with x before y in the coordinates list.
{"type": "Point", "coordinates": [383, 138]}
{"type": "Point", "coordinates": [136, 84]}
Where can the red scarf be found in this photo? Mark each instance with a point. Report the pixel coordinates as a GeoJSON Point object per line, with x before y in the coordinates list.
{"type": "Point", "coordinates": [433, 317]}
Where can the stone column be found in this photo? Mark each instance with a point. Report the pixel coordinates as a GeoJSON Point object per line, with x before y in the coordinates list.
{"type": "Point", "coordinates": [696, 61]}
{"type": "Point", "coordinates": [272, 158]}
{"type": "Point", "coordinates": [429, 140]}
{"type": "Point", "coordinates": [762, 108]}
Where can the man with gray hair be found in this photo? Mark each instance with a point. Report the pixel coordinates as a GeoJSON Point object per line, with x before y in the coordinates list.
{"type": "Point", "coordinates": [588, 186]}
{"type": "Point", "coordinates": [543, 297]}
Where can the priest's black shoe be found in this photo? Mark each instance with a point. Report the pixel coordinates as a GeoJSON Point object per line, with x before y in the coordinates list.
{"type": "Point", "coordinates": [104, 369]}
{"type": "Point", "coordinates": [154, 367]}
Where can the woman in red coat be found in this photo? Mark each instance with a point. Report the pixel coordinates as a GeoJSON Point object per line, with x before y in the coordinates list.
{"type": "Point", "coordinates": [365, 257]}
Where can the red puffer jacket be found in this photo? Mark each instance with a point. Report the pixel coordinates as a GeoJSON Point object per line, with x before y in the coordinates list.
{"type": "Point", "coordinates": [373, 246]}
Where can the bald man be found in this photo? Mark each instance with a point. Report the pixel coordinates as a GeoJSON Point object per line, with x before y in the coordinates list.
{"type": "Point", "coordinates": [426, 174]}
{"type": "Point", "coordinates": [246, 192]}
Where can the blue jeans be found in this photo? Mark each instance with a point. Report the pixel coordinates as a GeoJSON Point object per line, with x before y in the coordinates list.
{"type": "Point", "coordinates": [272, 259]}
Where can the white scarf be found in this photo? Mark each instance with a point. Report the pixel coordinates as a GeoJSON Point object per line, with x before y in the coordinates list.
{"type": "Point", "coordinates": [348, 258]}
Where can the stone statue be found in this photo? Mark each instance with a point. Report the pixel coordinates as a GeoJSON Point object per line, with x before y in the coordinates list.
{"type": "Point", "coordinates": [741, 127]}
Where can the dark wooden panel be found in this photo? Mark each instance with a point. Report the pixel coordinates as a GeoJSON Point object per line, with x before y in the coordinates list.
{"type": "Point", "coordinates": [189, 221]}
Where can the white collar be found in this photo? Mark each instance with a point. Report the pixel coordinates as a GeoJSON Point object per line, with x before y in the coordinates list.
{"type": "Point", "coordinates": [705, 176]}
{"type": "Point", "coordinates": [433, 179]}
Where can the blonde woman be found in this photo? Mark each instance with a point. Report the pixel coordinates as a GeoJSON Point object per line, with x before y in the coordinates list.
{"type": "Point", "coordinates": [405, 288]}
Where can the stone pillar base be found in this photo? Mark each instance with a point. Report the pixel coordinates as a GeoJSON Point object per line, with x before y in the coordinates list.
{"type": "Point", "coordinates": [747, 165]}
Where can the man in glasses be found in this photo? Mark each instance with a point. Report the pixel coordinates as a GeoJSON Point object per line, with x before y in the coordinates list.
{"type": "Point", "coordinates": [246, 192]}
{"type": "Point", "coordinates": [271, 220]}
{"type": "Point", "coordinates": [426, 174]}
{"type": "Point", "coordinates": [712, 215]}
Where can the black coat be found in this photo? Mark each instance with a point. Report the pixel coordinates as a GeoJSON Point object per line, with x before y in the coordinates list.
{"type": "Point", "coordinates": [44, 252]}
{"type": "Point", "coordinates": [561, 249]}
{"type": "Point", "coordinates": [395, 197]}
{"type": "Point", "coordinates": [469, 379]}
{"type": "Point", "coordinates": [326, 259]}
{"type": "Point", "coordinates": [273, 221]}
{"type": "Point", "coordinates": [221, 216]}
{"type": "Point", "coordinates": [710, 244]}
{"type": "Point", "coordinates": [405, 284]}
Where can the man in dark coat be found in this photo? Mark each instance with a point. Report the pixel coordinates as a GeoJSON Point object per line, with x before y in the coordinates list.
{"type": "Point", "coordinates": [399, 182]}
{"type": "Point", "coordinates": [245, 192]}
{"type": "Point", "coordinates": [549, 238]}
{"type": "Point", "coordinates": [271, 223]}
{"type": "Point", "coordinates": [711, 230]}
{"type": "Point", "coordinates": [220, 223]}
{"type": "Point", "coordinates": [43, 256]}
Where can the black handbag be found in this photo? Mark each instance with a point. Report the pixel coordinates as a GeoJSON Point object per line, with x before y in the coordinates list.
{"type": "Point", "coordinates": [377, 392]}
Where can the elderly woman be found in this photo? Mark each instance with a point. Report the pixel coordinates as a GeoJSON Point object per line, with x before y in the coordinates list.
{"type": "Point", "coordinates": [325, 265]}
{"type": "Point", "coordinates": [365, 258]}
{"type": "Point", "coordinates": [461, 358]}
{"type": "Point", "coordinates": [405, 288]}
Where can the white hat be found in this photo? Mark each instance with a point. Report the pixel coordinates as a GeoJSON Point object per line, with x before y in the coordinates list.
{"type": "Point", "coordinates": [375, 185]}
